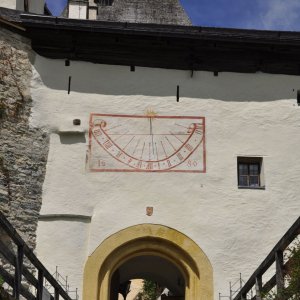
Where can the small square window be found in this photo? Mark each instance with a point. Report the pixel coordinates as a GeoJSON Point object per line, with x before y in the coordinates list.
{"type": "Point", "coordinates": [250, 173]}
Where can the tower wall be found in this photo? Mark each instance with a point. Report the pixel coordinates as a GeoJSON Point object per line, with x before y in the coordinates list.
{"type": "Point", "coordinates": [154, 11]}
{"type": "Point", "coordinates": [252, 115]}
{"type": "Point", "coordinates": [87, 198]}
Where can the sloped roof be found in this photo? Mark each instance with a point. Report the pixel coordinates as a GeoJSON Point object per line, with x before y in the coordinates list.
{"type": "Point", "coordinates": [10, 15]}
{"type": "Point", "coordinates": [145, 11]}
{"type": "Point", "coordinates": [160, 46]}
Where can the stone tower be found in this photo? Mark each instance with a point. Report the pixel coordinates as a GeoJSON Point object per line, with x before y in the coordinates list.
{"type": "Point", "coordinates": [143, 11]}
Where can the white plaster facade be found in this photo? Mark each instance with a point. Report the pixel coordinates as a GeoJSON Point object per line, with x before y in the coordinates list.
{"type": "Point", "coordinates": [8, 4]}
{"type": "Point", "coordinates": [246, 115]}
{"type": "Point", "coordinates": [78, 10]}
{"type": "Point", "coordinates": [34, 6]}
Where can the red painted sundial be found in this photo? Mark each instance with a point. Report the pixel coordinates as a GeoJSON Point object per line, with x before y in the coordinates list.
{"type": "Point", "coordinates": [149, 143]}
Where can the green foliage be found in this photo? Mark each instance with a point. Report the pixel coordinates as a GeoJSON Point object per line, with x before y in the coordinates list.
{"type": "Point", "coordinates": [292, 290]}
{"type": "Point", "coordinates": [150, 291]}
{"type": "Point", "coordinates": [1, 281]}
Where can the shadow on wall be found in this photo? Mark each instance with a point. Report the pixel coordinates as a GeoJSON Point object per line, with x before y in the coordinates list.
{"type": "Point", "coordinates": [120, 80]}
{"type": "Point", "coordinates": [71, 137]}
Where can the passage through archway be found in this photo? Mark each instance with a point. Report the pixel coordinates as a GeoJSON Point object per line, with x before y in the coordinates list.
{"type": "Point", "coordinates": [167, 277]}
{"type": "Point", "coordinates": [148, 243]}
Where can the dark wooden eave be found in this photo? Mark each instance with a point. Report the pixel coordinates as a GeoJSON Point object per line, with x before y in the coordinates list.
{"type": "Point", "coordinates": [165, 46]}
{"type": "Point", "coordinates": [10, 19]}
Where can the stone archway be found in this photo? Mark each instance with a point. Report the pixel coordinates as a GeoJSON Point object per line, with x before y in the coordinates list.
{"type": "Point", "coordinates": [149, 240]}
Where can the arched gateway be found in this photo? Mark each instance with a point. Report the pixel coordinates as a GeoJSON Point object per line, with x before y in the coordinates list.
{"type": "Point", "coordinates": [155, 244]}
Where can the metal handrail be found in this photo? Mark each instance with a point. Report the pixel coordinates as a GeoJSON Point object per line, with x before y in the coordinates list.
{"type": "Point", "coordinates": [276, 255]}
{"type": "Point", "coordinates": [18, 262]}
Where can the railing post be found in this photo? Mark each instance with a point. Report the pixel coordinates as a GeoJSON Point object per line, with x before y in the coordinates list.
{"type": "Point", "coordinates": [279, 271]}
{"type": "Point", "coordinates": [56, 294]}
{"type": "Point", "coordinates": [258, 287]}
{"type": "Point", "coordinates": [40, 285]}
{"type": "Point", "coordinates": [241, 281]}
{"type": "Point", "coordinates": [16, 260]}
{"type": "Point", "coordinates": [18, 272]}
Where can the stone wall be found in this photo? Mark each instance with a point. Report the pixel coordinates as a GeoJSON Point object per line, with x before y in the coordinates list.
{"type": "Point", "coordinates": [150, 11]}
{"type": "Point", "coordinates": [23, 149]}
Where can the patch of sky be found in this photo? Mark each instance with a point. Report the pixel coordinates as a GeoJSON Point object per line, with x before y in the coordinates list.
{"type": "Point", "coordinates": [248, 14]}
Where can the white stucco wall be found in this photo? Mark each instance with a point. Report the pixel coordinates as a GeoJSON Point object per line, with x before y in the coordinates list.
{"type": "Point", "coordinates": [8, 4]}
{"type": "Point", "coordinates": [65, 249]}
{"type": "Point", "coordinates": [78, 10]}
{"type": "Point", "coordinates": [246, 114]}
{"type": "Point", "coordinates": [35, 6]}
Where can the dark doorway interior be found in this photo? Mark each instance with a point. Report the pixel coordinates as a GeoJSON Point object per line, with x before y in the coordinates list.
{"type": "Point", "coordinates": [149, 267]}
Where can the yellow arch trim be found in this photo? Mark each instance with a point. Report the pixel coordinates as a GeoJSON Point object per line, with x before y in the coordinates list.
{"type": "Point", "coordinates": [153, 240]}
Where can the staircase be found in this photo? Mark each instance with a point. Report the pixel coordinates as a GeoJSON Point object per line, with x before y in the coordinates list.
{"type": "Point", "coordinates": [21, 272]}
{"type": "Point", "coordinates": [276, 283]}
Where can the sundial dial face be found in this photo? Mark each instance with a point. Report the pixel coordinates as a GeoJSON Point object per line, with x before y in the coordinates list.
{"type": "Point", "coordinates": [146, 143]}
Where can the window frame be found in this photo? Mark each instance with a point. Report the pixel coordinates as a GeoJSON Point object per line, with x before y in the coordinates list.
{"type": "Point", "coordinates": [248, 161]}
